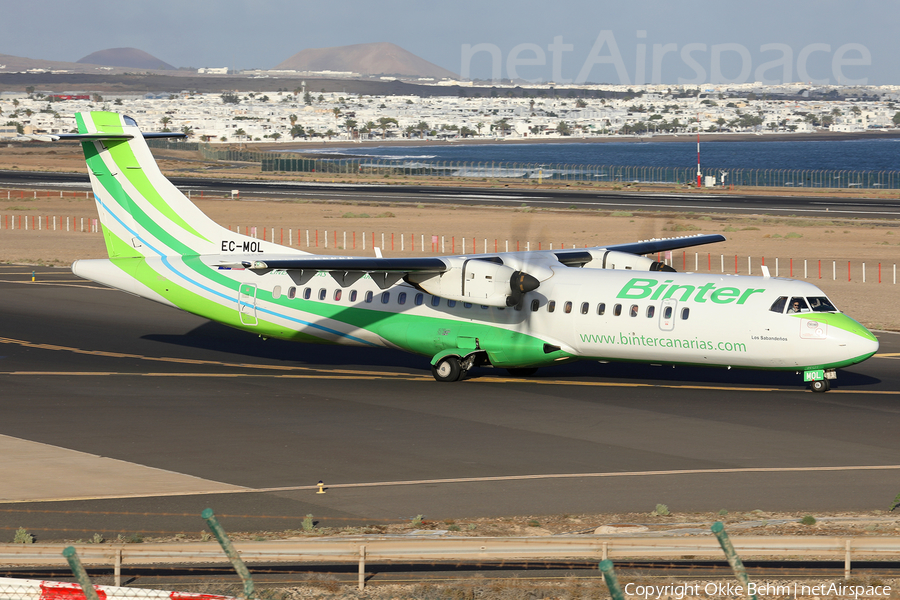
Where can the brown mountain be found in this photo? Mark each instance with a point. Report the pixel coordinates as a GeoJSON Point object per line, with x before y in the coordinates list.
{"type": "Point", "coordinates": [366, 59]}
{"type": "Point", "coordinates": [131, 58]}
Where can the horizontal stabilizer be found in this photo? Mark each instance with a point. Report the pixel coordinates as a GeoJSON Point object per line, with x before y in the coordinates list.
{"type": "Point", "coordinates": [93, 137]}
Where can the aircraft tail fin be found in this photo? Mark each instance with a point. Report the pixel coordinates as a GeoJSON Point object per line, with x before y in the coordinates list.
{"type": "Point", "coordinates": [142, 212]}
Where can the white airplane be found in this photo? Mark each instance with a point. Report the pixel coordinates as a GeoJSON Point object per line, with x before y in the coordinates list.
{"type": "Point", "coordinates": [513, 310]}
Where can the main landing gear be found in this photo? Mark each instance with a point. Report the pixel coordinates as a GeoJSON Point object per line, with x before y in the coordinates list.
{"type": "Point", "coordinates": [448, 369]}
{"type": "Point", "coordinates": [454, 368]}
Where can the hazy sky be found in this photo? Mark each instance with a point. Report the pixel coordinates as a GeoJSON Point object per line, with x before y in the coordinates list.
{"type": "Point", "coordinates": [666, 41]}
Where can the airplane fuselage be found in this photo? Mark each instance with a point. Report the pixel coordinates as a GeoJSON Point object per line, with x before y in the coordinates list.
{"type": "Point", "coordinates": [577, 313]}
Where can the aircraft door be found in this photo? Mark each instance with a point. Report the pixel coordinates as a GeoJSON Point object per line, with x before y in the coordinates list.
{"type": "Point", "coordinates": [247, 303]}
{"type": "Point", "coordinates": [667, 314]}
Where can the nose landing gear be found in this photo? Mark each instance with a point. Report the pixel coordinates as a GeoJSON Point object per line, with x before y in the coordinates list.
{"type": "Point", "coordinates": [820, 381]}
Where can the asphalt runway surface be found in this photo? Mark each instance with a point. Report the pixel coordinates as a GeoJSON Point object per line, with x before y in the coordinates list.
{"type": "Point", "coordinates": [119, 415]}
{"type": "Point", "coordinates": [818, 206]}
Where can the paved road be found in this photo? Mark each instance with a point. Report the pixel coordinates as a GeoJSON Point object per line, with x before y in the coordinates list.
{"type": "Point", "coordinates": [119, 415]}
{"type": "Point", "coordinates": [688, 202]}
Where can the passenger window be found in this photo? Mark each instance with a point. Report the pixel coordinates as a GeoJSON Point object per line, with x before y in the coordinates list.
{"type": "Point", "coordinates": [385, 297]}
{"type": "Point", "coordinates": [535, 304]}
{"type": "Point", "coordinates": [651, 310]}
{"type": "Point", "coordinates": [307, 292]}
{"type": "Point", "coordinates": [322, 293]}
{"type": "Point", "coordinates": [337, 295]}
{"type": "Point", "coordinates": [567, 307]}
{"type": "Point", "coordinates": [617, 310]}
{"type": "Point", "coordinates": [485, 307]}
{"type": "Point", "coordinates": [451, 303]}
{"type": "Point", "coordinates": [369, 296]}
{"type": "Point", "coordinates": [821, 304]}
{"type": "Point", "coordinates": [797, 305]}
{"type": "Point", "coordinates": [634, 310]}
{"type": "Point", "coordinates": [601, 309]}
{"type": "Point", "coordinates": [401, 298]}
{"type": "Point", "coordinates": [276, 292]}
{"type": "Point", "coordinates": [585, 307]}
{"type": "Point", "coordinates": [667, 313]}
{"type": "Point", "coordinates": [467, 305]}
{"type": "Point", "coordinates": [292, 292]}
{"type": "Point", "coordinates": [778, 305]}
{"type": "Point", "coordinates": [551, 306]}
{"type": "Point", "coordinates": [685, 313]}
{"type": "Point", "coordinates": [420, 298]}
{"type": "Point", "coordinates": [353, 295]}
{"type": "Point", "coordinates": [435, 300]}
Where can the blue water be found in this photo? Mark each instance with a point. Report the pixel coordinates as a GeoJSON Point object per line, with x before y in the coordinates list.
{"type": "Point", "coordinates": [853, 155]}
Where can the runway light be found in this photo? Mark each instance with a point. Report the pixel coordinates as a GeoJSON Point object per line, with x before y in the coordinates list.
{"type": "Point", "coordinates": [321, 488]}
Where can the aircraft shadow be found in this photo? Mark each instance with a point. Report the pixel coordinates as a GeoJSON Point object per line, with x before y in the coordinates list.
{"type": "Point", "coordinates": [217, 338]}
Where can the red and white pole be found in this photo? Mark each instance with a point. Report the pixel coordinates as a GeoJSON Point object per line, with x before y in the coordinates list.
{"type": "Point", "coordinates": [698, 151]}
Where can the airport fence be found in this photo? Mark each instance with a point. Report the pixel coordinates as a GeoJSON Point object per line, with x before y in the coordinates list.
{"type": "Point", "coordinates": [790, 178]}
{"type": "Point", "coordinates": [365, 241]}
{"type": "Point", "coordinates": [290, 162]}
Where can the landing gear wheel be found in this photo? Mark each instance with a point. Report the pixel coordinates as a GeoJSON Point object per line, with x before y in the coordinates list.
{"type": "Point", "coordinates": [447, 369]}
{"type": "Point", "coordinates": [522, 371]}
{"type": "Point", "coordinates": [820, 386]}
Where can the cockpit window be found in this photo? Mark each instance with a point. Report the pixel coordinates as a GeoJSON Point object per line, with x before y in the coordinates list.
{"type": "Point", "coordinates": [778, 305]}
{"type": "Point", "coordinates": [797, 305]}
{"type": "Point", "coordinates": [129, 121]}
{"type": "Point", "coordinates": [821, 304]}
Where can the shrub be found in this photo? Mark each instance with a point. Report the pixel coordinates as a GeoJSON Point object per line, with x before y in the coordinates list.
{"type": "Point", "coordinates": [308, 524]}
{"type": "Point", "coordinates": [808, 520]}
{"type": "Point", "coordinates": [23, 537]}
{"type": "Point", "coordinates": [661, 510]}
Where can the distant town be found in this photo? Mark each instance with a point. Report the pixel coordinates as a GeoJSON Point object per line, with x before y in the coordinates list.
{"type": "Point", "coordinates": [501, 112]}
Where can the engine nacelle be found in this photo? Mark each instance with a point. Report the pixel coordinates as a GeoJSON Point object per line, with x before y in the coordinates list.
{"type": "Point", "coordinates": [611, 259]}
{"type": "Point", "coordinates": [477, 281]}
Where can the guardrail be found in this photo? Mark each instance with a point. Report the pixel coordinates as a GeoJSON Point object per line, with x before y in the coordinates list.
{"type": "Point", "coordinates": [380, 548]}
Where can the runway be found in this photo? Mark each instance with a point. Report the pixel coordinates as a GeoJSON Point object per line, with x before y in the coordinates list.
{"type": "Point", "coordinates": [689, 201]}
{"type": "Point", "coordinates": [120, 415]}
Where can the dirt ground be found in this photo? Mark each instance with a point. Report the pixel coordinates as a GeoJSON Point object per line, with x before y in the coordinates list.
{"type": "Point", "coordinates": [794, 242]}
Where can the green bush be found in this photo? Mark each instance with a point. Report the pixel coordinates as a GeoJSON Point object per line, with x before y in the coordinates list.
{"type": "Point", "coordinates": [23, 537]}
{"type": "Point", "coordinates": [308, 524]}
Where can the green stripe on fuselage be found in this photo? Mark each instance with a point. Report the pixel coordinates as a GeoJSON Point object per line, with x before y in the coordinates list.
{"type": "Point", "coordinates": [839, 320]}
{"type": "Point", "coordinates": [124, 158]}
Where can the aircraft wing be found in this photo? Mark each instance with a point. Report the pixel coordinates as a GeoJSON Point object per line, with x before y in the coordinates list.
{"type": "Point", "coordinates": [435, 265]}
{"type": "Point", "coordinates": [649, 246]}
{"type": "Point", "coordinates": [351, 263]}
